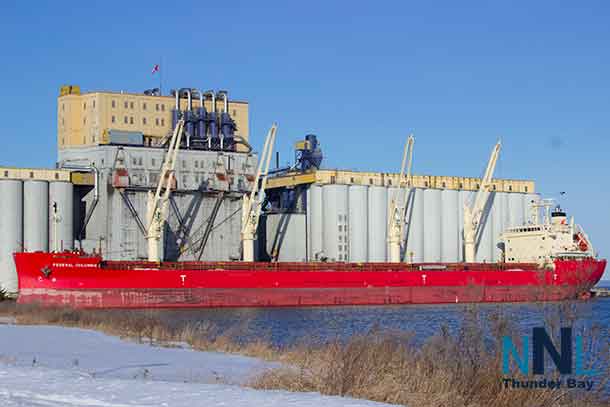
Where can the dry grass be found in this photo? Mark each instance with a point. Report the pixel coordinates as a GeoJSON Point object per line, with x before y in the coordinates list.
{"type": "Point", "coordinates": [450, 369]}
{"type": "Point", "coordinates": [461, 369]}
{"type": "Point", "coordinates": [144, 326]}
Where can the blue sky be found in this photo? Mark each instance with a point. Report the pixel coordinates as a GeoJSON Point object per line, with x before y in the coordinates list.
{"type": "Point", "coordinates": [360, 75]}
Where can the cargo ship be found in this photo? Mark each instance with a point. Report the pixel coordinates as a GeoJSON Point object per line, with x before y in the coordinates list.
{"type": "Point", "coordinates": [82, 281]}
{"type": "Point", "coordinates": [550, 259]}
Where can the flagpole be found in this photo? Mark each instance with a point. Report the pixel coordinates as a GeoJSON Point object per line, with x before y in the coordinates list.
{"type": "Point", "coordinates": [161, 76]}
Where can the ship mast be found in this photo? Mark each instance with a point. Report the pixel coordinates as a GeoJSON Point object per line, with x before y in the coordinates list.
{"type": "Point", "coordinates": [158, 203]}
{"type": "Point", "coordinates": [398, 207]}
{"type": "Point", "coordinates": [473, 213]}
{"type": "Point", "coordinates": [252, 205]}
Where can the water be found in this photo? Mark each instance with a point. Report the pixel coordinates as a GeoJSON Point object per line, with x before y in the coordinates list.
{"type": "Point", "coordinates": [289, 326]}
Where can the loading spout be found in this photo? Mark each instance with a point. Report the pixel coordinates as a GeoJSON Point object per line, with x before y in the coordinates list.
{"type": "Point", "coordinates": [96, 190]}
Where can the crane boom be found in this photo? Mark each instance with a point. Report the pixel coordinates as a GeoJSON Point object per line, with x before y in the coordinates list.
{"type": "Point", "coordinates": [474, 213]}
{"type": "Point", "coordinates": [397, 211]}
{"type": "Point", "coordinates": [158, 203]}
{"type": "Point", "coordinates": [252, 205]}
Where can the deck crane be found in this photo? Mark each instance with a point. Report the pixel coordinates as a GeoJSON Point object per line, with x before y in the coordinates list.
{"type": "Point", "coordinates": [397, 211]}
{"type": "Point", "coordinates": [158, 203]}
{"type": "Point", "coordinates": [252, 205]}
{"type": "Point", "coordinates": [473, 212]}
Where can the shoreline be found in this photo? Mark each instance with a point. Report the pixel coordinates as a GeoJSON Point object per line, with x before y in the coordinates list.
{"type": "Point", "coordinates": [66, 366]}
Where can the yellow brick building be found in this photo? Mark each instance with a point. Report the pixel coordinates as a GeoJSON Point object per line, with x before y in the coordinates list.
{"type": "Point", "coordinates": [83, 119]}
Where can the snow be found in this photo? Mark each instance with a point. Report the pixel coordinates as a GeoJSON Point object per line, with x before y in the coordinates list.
{"type": "Point", "coordinates": [55, 366]}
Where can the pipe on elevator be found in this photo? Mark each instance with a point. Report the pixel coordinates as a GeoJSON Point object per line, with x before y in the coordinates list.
{"type": "Point", "coordinates": [201, 125]}
{"type": "Point", "coordinates": [225, 110]}
{"type": "Point", "coordinates": [176, 112]}
{"type": "Point", "coordinates": [212, 125]}
{"type": "Point", "coordinates": [188, 115]}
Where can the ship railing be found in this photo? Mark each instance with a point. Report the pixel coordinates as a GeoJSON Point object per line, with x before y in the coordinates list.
{"type": "Point", "coordinates": [312, 266]}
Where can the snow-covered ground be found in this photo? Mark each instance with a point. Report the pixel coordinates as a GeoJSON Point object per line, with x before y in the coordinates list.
{"type": "Point", "coordinates": [55, 366]}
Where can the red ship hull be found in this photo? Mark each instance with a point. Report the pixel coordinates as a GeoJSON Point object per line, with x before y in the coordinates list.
{"type": "Point", "coordinates": [69, 279]}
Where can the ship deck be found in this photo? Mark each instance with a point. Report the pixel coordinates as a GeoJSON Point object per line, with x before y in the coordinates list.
{"type": "Point", "coordinates": [314, 266]}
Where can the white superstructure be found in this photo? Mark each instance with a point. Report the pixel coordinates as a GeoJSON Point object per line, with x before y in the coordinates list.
{"type": "Point", "coordinates": [542, 242]}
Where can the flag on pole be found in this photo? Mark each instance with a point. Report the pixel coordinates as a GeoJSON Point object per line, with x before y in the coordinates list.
{"type": "Point", "coordinates": [156, 68]}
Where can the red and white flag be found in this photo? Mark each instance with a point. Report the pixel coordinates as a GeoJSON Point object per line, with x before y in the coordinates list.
{"type": "Point", "coordinates": [156, 68]}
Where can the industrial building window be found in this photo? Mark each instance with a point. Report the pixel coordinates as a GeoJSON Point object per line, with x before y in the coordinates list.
{"type": "Point", "coordinates": [113, 104]}
{"type": "Point", "coordinates": [113, 119]}
{"type": "Point", "coordinates": [125, 119]}
{"type": "Point", "coordinates": [131, 120]}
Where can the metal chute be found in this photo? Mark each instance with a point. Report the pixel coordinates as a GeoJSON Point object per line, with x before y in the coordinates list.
{"type": "Point", "coordinates": [252, 205]}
